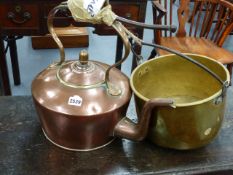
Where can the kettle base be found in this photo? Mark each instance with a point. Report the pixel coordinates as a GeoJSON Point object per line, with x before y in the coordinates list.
{"type": "Point", "coordinates": [72, 149]}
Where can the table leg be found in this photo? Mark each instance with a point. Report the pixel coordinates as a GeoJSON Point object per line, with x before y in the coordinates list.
{"type": "Point", "coordinates": [14, 59]}
{"type": "Point", "coordinates": [137, 50]}
{"type": "Point", "coordinates": [119, 50]}
{"type": "Point", "coordinates": [137, 58]}
{"type": "Point", "coordinates": [134, 61]}
{"type": "Point", "coordinates": [5, 82]}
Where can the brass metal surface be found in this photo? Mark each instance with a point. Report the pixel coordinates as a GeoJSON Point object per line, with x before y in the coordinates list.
{"type": "Point", "coordinates": [83, 57]}
{"type": "Point", "coordinates": [53, 33]}
{"type": "Point", "coordinates": [198, 109]}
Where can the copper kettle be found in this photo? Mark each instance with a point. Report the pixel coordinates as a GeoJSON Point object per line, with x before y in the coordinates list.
{"type": "Point", "coordinates": [82, 104]}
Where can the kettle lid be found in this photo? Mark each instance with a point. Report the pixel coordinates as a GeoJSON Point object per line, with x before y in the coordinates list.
{"type": "Point", "coordinates": [82, 73]}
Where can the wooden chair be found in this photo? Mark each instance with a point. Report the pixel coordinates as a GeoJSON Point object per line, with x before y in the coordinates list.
{"type": "Point", "coordinates": [204, 34]}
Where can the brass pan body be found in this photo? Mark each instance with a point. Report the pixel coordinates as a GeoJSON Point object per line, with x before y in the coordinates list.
{"type": "Point", "coordinates": [198, 110]}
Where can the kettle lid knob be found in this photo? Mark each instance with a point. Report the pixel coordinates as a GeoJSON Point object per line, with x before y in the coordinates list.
{"type": "Point", "coordinates": [83, 57]}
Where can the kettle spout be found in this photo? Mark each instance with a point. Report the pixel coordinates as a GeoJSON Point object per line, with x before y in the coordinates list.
{"type": "Point", "coordinates": [126, 128]}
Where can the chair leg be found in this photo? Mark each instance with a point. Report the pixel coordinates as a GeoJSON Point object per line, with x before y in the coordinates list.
{"type": "Point", "coordinates": [229, 67]}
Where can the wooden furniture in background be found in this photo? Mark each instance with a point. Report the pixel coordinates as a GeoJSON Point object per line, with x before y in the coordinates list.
{"type": "Point", "coordinates": [28, 18]}
{"type": "Point", "coordinates": [208, 29]}
{"type": "Point", "coordinates": [71, 37]}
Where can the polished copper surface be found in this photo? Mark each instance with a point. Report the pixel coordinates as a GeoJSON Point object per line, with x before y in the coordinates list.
{"type": "Point", "coordinates": [49, 92]}
{"type": "Point", "coordinates": [82, 127]}
{"type": "Point", "coordinates": [80, 102]}
{"type": "Point", "coordinates": [199, 100]}
{"type": "Point", "coordinates": [126, 129]}
{"type": "Point", "coordinates": [75, 73]}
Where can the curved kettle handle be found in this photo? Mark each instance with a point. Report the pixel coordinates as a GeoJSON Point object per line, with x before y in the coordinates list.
{"type": "Point", "coordinates": [119, 29]}
{"type": "Point", "coordinates": [116, 25]}
{"type": "Point", "coordinates": [126, 128]}
{"type": "Point", "coordinates": [51, 15]}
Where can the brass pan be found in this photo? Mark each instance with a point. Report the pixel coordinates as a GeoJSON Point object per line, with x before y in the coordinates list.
{"type": "Point", "coordinates": [199, 99]}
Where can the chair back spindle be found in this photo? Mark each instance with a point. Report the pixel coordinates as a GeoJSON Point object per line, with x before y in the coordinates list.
{"type": "Point", "coordinates": [183, 15]}
{"type": "Point", "coordinates": [211, 19]}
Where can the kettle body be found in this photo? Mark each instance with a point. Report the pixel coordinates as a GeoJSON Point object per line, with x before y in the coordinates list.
{"type": "Point", "coordinates": [82, 117]}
